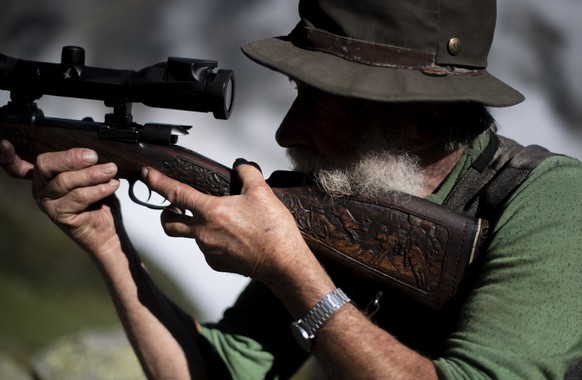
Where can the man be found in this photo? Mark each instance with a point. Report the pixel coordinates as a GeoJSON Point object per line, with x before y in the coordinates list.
{"type": "Point", "coordinates": [396, 86]}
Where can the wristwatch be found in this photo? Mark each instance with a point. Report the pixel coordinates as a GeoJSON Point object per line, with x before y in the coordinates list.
{"type": "Point", "coordinates": [305, 328]}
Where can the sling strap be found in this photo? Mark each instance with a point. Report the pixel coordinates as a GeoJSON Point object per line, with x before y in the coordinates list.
{"type": "Point", "coordinates": [498, 171]}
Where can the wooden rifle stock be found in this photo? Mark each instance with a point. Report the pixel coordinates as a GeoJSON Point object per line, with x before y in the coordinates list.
{"type": "Point", "coordinates": [403, 242]}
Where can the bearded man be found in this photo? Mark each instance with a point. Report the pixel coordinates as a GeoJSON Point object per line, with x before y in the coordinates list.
{"type": "Point", "coordinates": [391, 98]}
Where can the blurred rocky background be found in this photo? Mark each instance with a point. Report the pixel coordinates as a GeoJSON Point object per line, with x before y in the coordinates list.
{"type": "Point", "coordinates": [56, 319]}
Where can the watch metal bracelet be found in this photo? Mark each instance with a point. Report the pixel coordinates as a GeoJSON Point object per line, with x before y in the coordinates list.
{"type": "Point", "coordinates": [305, 328]}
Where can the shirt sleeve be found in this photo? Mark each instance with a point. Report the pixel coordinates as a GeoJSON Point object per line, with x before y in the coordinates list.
{"type": "Point", "coordinates": [253, 340]}
{"type": "Point", "coordinates": [522, 321]}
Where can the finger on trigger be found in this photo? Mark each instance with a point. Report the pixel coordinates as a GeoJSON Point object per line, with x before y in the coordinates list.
{"type": "Point", "coordinates": [167, 187]}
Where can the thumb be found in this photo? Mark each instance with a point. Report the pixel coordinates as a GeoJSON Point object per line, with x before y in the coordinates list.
{"type": "Point", "coordinates": [12, 163]}
{"type": "Point", "coordinates": [245, 175]}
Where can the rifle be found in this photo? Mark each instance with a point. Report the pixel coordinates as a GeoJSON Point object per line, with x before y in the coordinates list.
{"type": "Point", "coordinates": [401, 242]}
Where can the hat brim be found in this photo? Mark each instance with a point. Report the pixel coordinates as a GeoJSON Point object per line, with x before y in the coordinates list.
{"type": "Point", "coordinates": [346, 78]}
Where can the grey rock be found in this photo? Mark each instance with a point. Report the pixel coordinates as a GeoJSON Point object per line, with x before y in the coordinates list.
{"type": "Point", "coordinates": [97, 354]}
{"type": "Point", "coordinates": [10, 369]}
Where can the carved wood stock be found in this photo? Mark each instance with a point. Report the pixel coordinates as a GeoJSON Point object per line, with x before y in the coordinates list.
{"type": "Point", "coordinates": [403, 242]}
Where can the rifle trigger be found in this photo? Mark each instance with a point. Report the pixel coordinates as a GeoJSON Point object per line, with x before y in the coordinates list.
{"type": "Point", "coordinates": [136, 200]}
{"type": "Point", "coordinates": [373, 306]}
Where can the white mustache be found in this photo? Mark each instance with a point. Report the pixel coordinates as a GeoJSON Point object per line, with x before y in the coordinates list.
{"type": "Point", "coordinates": [373, 172]}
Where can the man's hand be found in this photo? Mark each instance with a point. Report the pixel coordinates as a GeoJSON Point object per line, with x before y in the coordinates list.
{"type": "Point", "coordinates": [71, 188]}
{"type": "Point", "coordinates": [252, 233]}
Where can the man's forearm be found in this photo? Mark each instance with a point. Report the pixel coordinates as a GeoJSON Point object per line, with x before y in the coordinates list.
{"type": "Point", "coordinates": [351, 347]}
{"type": "Point", "coordinates": [348, 345]}
{"type": "Point", "coordinates": [77, 194]}
{"type": "Point", "coordinates": [162, 336]}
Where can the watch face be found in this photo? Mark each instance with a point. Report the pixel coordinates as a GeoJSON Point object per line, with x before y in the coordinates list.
{"type": "Point", "coordinates": [301, 336]}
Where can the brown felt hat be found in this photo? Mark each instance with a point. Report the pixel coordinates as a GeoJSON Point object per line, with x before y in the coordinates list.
{"type": "Point", "coordinates": [391, 50]}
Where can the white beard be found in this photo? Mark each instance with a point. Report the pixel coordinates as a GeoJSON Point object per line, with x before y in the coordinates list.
{"type": "Point", "coordinates": [379, 166]}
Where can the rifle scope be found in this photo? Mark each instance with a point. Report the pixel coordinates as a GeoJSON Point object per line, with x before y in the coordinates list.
{"type": "Point", "coordinates": [180, 83]}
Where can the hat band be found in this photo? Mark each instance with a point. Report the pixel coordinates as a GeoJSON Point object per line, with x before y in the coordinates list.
{"type": "Point", "coordinates": [371, 53]}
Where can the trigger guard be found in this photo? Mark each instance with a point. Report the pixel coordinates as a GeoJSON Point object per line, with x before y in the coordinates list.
{"type": "Point", "coordinates": [136, 200]}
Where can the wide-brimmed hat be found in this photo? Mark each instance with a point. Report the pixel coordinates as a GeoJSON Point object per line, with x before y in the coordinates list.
{"type": "Point", "coordinates": [391, 50]}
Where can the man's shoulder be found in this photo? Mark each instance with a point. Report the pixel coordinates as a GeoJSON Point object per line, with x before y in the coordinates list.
{"type": "Point", "coordinates": [554, 184]}
{"type": "Point", "coordinates": [556, 170]}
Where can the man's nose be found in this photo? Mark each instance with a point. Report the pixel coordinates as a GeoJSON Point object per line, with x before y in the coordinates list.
{"type": "Point", "coordinates": [294, 129]}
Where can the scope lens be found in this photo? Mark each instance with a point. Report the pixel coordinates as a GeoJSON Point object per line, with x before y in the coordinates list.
{"type": "Point", "coordinates": [221, 93]}
{"type": "Point", "coordinates": [229, 94]}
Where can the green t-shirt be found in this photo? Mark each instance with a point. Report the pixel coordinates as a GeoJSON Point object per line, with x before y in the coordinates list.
{"type": "Point", "coordinates": [520, 321]}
